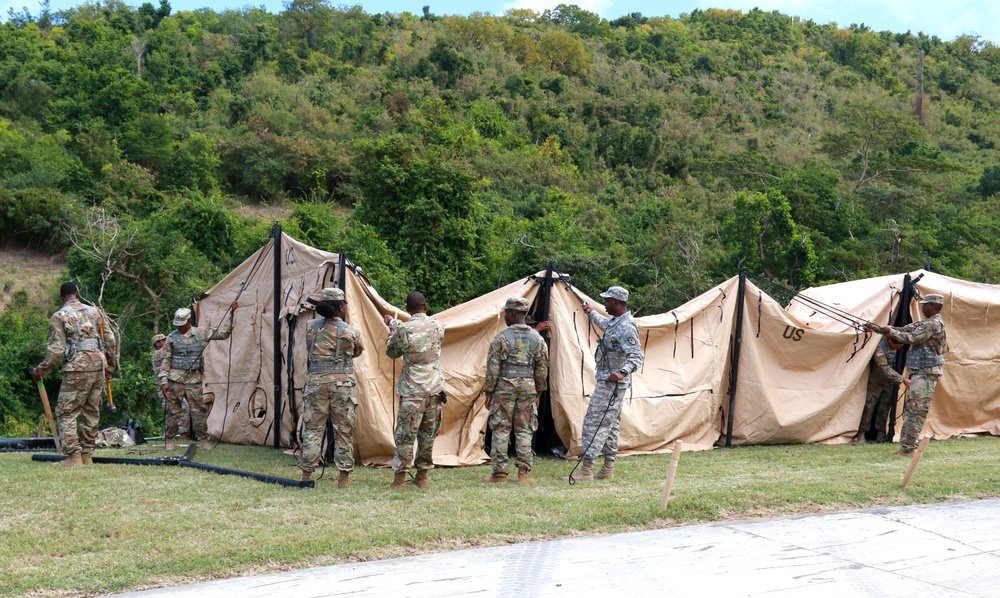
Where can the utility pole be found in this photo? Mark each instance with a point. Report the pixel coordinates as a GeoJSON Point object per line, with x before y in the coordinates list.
{"type": "Point", "coordinates": [918, 104]}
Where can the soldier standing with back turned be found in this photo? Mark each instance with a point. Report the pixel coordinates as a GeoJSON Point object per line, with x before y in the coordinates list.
{"type": "Point", "coordinates": [329, 394]}
{"type": "Point", "coordinates": [924, 362]}
{"type": "Point", "coordinates": [75, 334]}
{"type": "Point", "coordinates": [517, 369]}
{"type": "Point", "coordinates": [421, 389]}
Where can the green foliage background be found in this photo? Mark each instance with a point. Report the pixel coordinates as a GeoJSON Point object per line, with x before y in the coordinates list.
{"type": "Point", "coordinates": [454, 154]}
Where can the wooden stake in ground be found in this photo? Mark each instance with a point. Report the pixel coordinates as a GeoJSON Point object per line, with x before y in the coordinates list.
{"type": "Point", "coordinates": [916, 459]}
{"type": "Point", "coordinates": [670, 473]}
{"type": "Point", "coordinates": [48, 414]}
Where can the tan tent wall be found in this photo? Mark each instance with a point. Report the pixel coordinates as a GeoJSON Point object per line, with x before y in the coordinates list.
{"type": "Point", "coordinates": [676, 393]}
{"type": "Point", "coordinates": [967, 398]}
{"type": "Point", "coordinates": [800, 380]}
{"type": "Point", "coordinates": [469, 329]}
{"type": "Point", "coordinates": [239, 371]}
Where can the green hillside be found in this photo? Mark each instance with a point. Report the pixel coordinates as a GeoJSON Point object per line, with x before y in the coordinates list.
{"type": "Point", "coordinates": [453, 154]}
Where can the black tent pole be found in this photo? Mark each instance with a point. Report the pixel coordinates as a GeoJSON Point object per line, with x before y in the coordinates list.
{"type": "Point", "coordinates": [341, 275]}
{"type": "Point", "coordinates": [734, 370]}
{"type": "Point", "coordinates": [276, 422]}
{"type": "Point", "coordinates": [547, 298]}
{"type": "Point", "coordinates": [902, 319]}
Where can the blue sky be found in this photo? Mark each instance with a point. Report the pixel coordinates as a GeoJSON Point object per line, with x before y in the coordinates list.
{"type": "Point", "coordinates": [946, 19]}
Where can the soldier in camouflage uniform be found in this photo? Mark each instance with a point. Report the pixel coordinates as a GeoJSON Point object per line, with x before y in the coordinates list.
{"type": "Point", "coordinates": [618, 356]}
{"type": "Point", "coordinates": [75, 334]}
{"type": "Point", "coordinates": [184, 424]}
{"type": "Point", "coordinates": [420, 388]}
{"type": "Point", "coordinates": [923, 361]}
{"type": "Point", "coordinates": [329, 394]}
{"type": "Point", "coordinates": [183, 369]}
{"type": "Point", "coordinates": [878, 395]}
{"type": "Point", "coordinates": [517, 369]}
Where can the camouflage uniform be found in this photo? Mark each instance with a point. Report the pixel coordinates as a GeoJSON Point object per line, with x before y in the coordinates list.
{"type": "Point", "coordinates": [183, 425]}
{"type": "Point", "coordinates": [74, 335]}
{"type": "Point", "coordinates": [329, 393]}
{"type": "Point", "coordinates": [517, 369]}
{"type": "Point", "coordinates": [420, 389]}
{"type": "Point", "coordinates": [878, 396]}
{"type": "Point", "coordinates": [923, 361]}
{"type": "Point", "coordinates": [184, 372]}
{"type": "Point", "coordinates": [618, 351]}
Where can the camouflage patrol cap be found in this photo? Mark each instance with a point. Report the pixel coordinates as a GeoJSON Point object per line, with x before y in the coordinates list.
{"type": "Point", "coordinates": [616, 293]}
{"type": "Point", "coordinates": [331, 294]}
{"type": "Point", "coordinates": [516, 304]}
{"type": "Point", "coordinates": [157, 338]}
{"type": "Point", "coordinates": [181, 316]}
{"type": "Point", "coordinates": [933, 298]}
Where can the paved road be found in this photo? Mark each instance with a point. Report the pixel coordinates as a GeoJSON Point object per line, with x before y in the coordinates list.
{"type": "Point", "coordinates": [945, 550]}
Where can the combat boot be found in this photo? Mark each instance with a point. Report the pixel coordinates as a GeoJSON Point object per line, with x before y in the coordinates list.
{"type": "Point", "coordinates": [586, 473]}
{"type": "Point", "coordinates": [522, 476]}
{"type": "Point", "coordinates": [69, 461]}
{"type": "Point", "coordinates": [399, 481]}
{"type": "Point", "coordinates": [205, 444]}
{"type": "Point", "coordinates": [496, 478]}
{"type": "Point", "coordinates": [184, 437]}
{"type": "Point", "coordinates": [307, 476]}
{"type": "Point", "coordinates": [169, 445]}
{"type": "Point", "coordinates": [343, 481]}
{"type": "Point", "coordinates": [421, 479]}
{"type": "Point", "coordinates": [607, 471]}
{"type": "Point", "coordinates": [86, 459]}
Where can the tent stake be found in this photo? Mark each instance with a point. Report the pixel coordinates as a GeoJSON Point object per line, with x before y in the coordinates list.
{"type": "Point", "coordinates": [671, 472]}
{"type": "Point", "coordinates": [916, 459]}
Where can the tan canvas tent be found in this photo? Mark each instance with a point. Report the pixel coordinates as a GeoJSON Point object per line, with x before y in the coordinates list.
{"type": "Point", "coordinates": [249, 390]}
{"type": "Point", "coordinates": [800, 375]}
{"type": "Point", "coordinates": [675, 396]}
{"type": "Point", "coordinates": [967, 398]}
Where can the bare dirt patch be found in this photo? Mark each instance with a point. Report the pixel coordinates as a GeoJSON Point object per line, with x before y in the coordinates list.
{"type": "Point", "coordinates": [36, 273]}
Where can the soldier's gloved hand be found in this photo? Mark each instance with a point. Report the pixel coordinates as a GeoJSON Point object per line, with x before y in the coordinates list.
{"type": "Point", "coordinates": [387, 319]}
{"type": "Point", "coordinates": [906, 382]}
{"type": "Point", "coordinates": [233, 306]}
{"type": "Point", "coordinates": [587, 309]}
{"type": "Point", "coordinates": [164, 389]}
{"type": "Point", "coordinates": [489, 401]}
{"type": "Point", "coordinates": [616, 377]}
{"type": "Point", "coordinates": [107, 374]}
{"type": "Point", "coordinates": [35, 375]}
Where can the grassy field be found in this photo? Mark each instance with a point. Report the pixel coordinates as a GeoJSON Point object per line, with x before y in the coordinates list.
{"type": "Point", "coordinates": [108, 528]}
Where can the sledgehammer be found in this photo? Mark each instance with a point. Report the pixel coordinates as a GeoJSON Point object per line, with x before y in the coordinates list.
{"type": "Point", "coordinates": [111, 403]}
{"type": "Point", "coordinates": [107, 378]}
{"type": "Point", "coordinates": [48, 415]}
